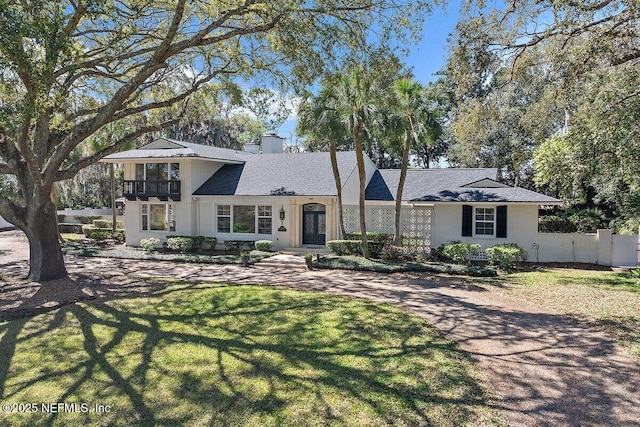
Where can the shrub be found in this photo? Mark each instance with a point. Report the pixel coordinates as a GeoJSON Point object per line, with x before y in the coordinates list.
{"type": "Point", "coordinates": [150, 244]}
{"type": "Point", "coordinates": [208, 243]}
{"type": "Point", "coordinates": [180, 243]}
{"type": "Point", "coordinates": [393, 253]}
{"type": "Point", "coordinates": [308, 256]}
{"type": "Point", "coordinates": [375, 241]}
{"type": "Point", "coordinates": [107, 223]}
{"type": "Point", "coordinates": [263, 245]}
{"type": "Point", "coordinates": [505, 255]}
{"type": "Point", "coordinates": [101, 234]}
{"type": "Point", "coordinates": [118, 235]}
{"type": "Point", "coordinates": [458, 252]}
{"type": "Point", "coordinates": [86, 219]}
{"type": "Point", "coordinates": [345, 247]}
{"type": "Point", "coordinates": [70, 228]}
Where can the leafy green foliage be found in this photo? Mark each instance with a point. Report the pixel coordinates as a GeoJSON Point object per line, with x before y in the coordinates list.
{"type": "Point", "coordinates": [375, 240]}
{"type": "Point", "coordinates": [359, 263]}
{"type": "Point", "coordinates": [572, 220]}
{"type": "Point", "coordinates": [180, 244]}
{"type": "Point", "coordinates": [393, 253]}
{"type": "Point", "coordinates": [150, 244]}
{"type": "Point", "coordinates": [345, 247]}
{"type": "Point", "coordinates": [459, 252]}
{"type": "Point", "coordinates": [505, 255]}
{"type": "Point", "coordinates": [87, 219]}
{"type": "Point", "coordinates": [263, 245]}
{"type": "Point", "coordinates": [102, 234]}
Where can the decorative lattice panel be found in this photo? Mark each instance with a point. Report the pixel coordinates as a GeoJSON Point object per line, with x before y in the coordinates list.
{"type": "Point", "coordinates": [416, 230]}
{"type": "Point", "coordinates": [381, 219]}
{"type": "Point", "coordinates": [351, 218]}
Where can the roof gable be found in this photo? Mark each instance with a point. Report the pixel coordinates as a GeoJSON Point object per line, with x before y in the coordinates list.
{"type": "Point", "coordinates": [307, 174]}
{"type": "Point", "coordinates": [164, 148]}
{"type": "Point", "coordinates": [486, 183]}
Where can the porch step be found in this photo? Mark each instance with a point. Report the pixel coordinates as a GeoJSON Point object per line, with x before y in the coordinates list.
{"type": "Point", "coordinates": [284, 260]}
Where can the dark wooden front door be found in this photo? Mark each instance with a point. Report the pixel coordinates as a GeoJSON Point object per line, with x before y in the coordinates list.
{"type": "Point", "coordinates": [314, 224]}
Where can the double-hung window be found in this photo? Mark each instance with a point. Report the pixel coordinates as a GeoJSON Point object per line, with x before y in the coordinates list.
{"type": "Point", "coordinates": [484, 221]}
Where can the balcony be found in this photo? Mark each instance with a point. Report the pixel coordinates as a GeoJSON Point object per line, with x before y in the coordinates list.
{"type": "Point", "coordinates": [142, 190]}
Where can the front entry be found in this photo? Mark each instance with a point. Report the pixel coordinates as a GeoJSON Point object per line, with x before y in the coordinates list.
{"type": "Point", "coordinates": [314, 224]}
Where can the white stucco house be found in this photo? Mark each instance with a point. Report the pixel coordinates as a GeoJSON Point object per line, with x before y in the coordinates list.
{"type": "Point", "coordinates": [179, 188]}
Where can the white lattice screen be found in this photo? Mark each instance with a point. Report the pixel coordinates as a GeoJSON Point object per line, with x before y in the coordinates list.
{"type": "Point", "coordinates": [381, 219]}
{"type": "Point", "coordinates": [351, 218]}
{"type": "Point", "coordinates": [416, 230]}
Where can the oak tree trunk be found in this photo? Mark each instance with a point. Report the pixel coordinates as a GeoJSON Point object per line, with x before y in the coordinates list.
{"type": "Point", "coordinates": [45, 255]}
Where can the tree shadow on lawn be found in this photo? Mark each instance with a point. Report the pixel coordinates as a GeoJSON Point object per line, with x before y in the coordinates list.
{"type": "Point", "coordinates": [238, 355]}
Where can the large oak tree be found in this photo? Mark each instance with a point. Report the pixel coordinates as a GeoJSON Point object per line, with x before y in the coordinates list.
{"type": "Point", "coordinates": [78, 70]}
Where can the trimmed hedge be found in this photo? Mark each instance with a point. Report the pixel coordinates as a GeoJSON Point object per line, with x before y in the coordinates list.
{"type": "Point", "coordinates": [345, 247]}
{"type": "Point", "coordinates": [150, 244]}
{"type": "Point", "coordinates": [70, 228]}
{"type": "Point", "coordinates": [375, 241]}
{"type": "Point", "coordinates": [100, 234]}
{"type": "Point", "coordinates": [263, 245]}
{"type": "Point", "coordinates": [190, 243]}
{"type": "Point", "coordinates": [107, 223]}
{"type": "Point", "coordinates": [180, 243]}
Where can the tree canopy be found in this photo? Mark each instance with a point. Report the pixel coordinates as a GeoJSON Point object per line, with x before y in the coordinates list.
{"type": "Point", "coordinates": [79, 71]}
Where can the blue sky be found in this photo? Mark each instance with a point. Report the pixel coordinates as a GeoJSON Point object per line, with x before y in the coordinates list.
{"type": "Point", "coordinates": [425, 58]}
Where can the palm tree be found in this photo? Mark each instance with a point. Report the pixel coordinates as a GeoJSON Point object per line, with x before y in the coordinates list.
{"type": "Point", "coordinates": [317, 119]}
{"type": "Point", "coordinates": [351, 102]}
{"type": "Point", "coordinates": [418, 124]}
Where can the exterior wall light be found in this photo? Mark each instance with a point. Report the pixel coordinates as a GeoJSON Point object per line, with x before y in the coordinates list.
{"type": "Point", "coordinates": [281, 213]}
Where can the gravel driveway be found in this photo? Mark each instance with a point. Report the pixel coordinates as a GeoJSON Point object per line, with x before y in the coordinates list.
{"type": "Point", "coordinates": [546, 369]}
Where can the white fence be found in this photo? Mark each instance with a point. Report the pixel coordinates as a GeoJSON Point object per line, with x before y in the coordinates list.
{"type": "Point", "coordinates": [602, 248]}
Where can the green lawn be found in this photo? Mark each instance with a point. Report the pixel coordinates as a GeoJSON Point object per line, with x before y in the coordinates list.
{"type": "Point", "coordinates": [602, 299]}
{"type": "Point", "coordinates": [214, 354]}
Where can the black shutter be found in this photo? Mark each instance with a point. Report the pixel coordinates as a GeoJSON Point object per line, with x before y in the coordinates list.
{"type": "Point", "coordinates": [467, 220]}
{"type": "Point", "coordinates": [501, 221]}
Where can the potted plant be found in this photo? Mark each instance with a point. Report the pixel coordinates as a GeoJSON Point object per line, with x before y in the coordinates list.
{"type": "Point", "coordinates": [244, 256]}
{"type": "Point", "coordinates": [308, 258]}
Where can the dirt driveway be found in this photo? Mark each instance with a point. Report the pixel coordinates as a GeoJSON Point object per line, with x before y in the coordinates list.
{"type": "Point", "coordinates": [546, 369]}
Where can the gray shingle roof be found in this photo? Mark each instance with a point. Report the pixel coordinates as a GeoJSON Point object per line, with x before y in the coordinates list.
{"type": "Point", "coordinates": [306, 174]}
{"type": "Point", "coordinates": [188, 150]}
{"type": "Point", "coordinates": [447, 185]}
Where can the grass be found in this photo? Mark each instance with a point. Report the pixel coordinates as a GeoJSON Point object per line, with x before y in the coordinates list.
{"type": "Point", "coordinates": [227, 355]}
{"type": "Point", "coordinates": [384, 266]}
{"type": "Point", "coordinates": [80, 246]}
{"type": "Point", "coordinates": [604, 299]}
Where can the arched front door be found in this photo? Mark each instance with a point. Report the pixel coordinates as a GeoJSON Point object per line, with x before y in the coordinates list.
{"type": "Point", "coordinates": [314, 224]}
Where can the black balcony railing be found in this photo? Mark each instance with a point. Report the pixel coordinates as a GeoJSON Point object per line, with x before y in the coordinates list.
{"type": "Point", "coordinates": [163, 190]}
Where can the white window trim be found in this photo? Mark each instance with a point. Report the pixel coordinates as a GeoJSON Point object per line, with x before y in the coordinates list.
{"type": "Point", "coordinates": [239, 236]}
{"type": "Point", "coordinates": [475, 221]}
